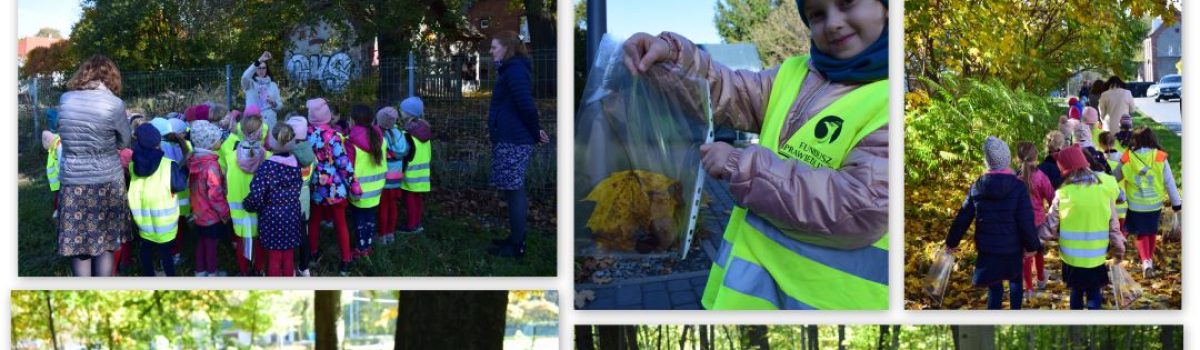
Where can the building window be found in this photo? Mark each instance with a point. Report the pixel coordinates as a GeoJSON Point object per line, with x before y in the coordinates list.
{"type": "Point", "coordinates": [484, 23]}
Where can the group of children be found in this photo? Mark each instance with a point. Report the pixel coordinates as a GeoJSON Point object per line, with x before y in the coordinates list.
{"type": "Point", "coordinates": [1091, 191]}
{"type": "Point", "coordinates": [269, 185]}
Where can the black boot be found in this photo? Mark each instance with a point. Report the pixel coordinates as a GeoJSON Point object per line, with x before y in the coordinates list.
{"type": "Point", "coordinates": [508, 250]}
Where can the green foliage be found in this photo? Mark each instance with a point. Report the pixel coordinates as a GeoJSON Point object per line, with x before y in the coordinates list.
{"type": "Point", "coordinates": [1036, 44]}
{"type": "Point", "coordinates": [136, 318]}
{"type": "Point", "coordinates": [773, 26]}
{"type": "Point", "coordinates": [944, 127]}
{"type": "Point", "coordinates": [46, 60]}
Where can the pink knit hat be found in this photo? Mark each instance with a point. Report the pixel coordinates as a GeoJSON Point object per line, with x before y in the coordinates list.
{"type": "Point", "coordinates": [252, 110]}
{"type": "Point", "coordinates": [1090, 115]}
{"type": "Point", "coordinates": [318, 111]}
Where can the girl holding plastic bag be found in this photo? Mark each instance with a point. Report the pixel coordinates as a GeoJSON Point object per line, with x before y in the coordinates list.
{"type": "Point", "coordinates": [809, 231]}
{"type": "Point", "coordinates": [1083, 216]}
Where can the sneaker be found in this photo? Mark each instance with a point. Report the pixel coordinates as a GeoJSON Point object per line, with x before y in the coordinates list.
{"type": "Point", "coordinates": [304, 273]}
{"type": "Point", "coordinates": [201, 274]}
{"type": "Point", "coordinates": [177, 259]}
{"type": "Point", "coordinates": [55, 215]}
{"type": "Point", "coordinates": [344, 270]}
{"type": "Point", "coordinates": [219, 273]}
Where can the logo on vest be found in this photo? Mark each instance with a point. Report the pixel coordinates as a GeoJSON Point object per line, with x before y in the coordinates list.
{"type": "Point", "coordinates": [828, 129]}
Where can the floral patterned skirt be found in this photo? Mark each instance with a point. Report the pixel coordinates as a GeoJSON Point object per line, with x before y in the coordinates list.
{"type": "Point", "coordinates": [509, 161]}
{"type": "Point", "coordinates": [92, 219]}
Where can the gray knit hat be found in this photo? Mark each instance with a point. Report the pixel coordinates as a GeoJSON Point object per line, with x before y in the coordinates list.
{"type": "Point", "coordinates": [205, 135]}
{"type": "Point", "coordinates": [996, 154]}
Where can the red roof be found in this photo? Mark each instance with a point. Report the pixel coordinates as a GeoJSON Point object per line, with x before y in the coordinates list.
{"type": "Point", "coordinates": [26, 44]}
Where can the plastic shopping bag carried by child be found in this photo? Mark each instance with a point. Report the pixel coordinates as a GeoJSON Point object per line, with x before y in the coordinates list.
{"type": "Point", "coordinates": [1125, 289]}
{"type": "Point", "coordinates": [1171, 224]}
{"type": "Point", "coordinates": [638, 174]}
{"type": "Point", "coordinates": [935, 281]}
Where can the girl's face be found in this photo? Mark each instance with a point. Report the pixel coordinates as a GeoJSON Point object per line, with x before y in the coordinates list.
{"type": "Point", "coordinates": [844, 28]}
{"type": "Point", "coordinates": [497, 50]}
{"type": "Point", "coordinates": [261, 70]}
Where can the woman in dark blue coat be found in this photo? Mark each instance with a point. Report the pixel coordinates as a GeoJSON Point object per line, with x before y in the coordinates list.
{"type": "Point", "coordinates": [514, 130]}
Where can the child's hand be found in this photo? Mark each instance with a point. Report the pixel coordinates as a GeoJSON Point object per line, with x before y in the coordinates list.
{"type": "Point", "coordinates": [713, 157]}
{"type": "Point", "coordinates": [643, 50]}
{"type": "Point", "coordinates": [266, 56]}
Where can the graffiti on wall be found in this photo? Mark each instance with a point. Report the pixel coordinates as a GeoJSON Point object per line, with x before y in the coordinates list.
{"type": "Point", "coordinates": [332, 71]}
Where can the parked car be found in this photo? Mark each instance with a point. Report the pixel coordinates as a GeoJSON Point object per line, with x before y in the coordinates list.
{"type": "Point", "coordinates": [1139, 88]}
{"type": "Point", "coordinates": [1152, 91]}
{"type": "Point", "coordinates": [1168, 87]}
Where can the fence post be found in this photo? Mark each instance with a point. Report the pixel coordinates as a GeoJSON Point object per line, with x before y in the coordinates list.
{"type": "Point", "coordinates": [228, 87]}
{"type": "Point", "coordinates": [36, 110]}
{"type": "Point", "coordinates": [411, 80]}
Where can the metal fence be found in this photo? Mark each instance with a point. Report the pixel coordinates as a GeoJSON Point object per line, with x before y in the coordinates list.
{"type": "Point", "coordinates": [456, 92]}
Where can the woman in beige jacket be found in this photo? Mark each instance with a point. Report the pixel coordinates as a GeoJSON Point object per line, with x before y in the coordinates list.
{"type": "Point", "coordinates": [1114, 102]}
{"type": "Point", "coordinates": [838, 210]}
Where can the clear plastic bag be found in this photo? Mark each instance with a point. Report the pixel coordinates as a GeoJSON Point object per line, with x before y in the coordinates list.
{"type": "Point", "coordinates": [938, 278]}
{"type": "Point", "coordinates": [1171, 223]}
{"type": "Point", "coordinates": [637, 163]}
{"type": "Point", "coordinates": [1125, 289]}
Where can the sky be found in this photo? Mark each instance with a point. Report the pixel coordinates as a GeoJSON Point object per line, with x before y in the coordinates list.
{"type": "Point", "coordinates": [33, 15]}
{"type": "Point", "coordinates": [691, 18]}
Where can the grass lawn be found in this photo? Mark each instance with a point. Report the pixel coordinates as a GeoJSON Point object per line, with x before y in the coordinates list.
{"type": "Point", "coordinates": [454, 242]}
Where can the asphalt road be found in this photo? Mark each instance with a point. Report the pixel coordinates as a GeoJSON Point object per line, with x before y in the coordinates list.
{"type": "Point", "coordinates": [1164, 112]}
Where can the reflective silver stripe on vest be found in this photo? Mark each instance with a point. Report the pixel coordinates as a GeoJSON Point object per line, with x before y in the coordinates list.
{"type": "Point", "coordinates": [184, 201]}
{"type": "Point", "coordinates": [235, 206]}
{"type": "Point", "coordinates": [724, 253]}
{"type": "Point", "coordinates": [1084, 236]}
{"type": "Point", "coordinates": [748, 278]}
{"type": "Point", "coordinates": [242, 222]}
{"type": "Point", "coordinates": [1144, 207]}
{"type": "Point", "coordinates": [869, 263]}
{"type": "Point", "coordinates": [416, 180]}
{"type": "Point", "coordinates": [371, 178]}
{"type": "Point", "coordinates": [421, 166]}
{"type": "Point", "coordinates": [1084, 253]}
{"type": "Point", "coordinates": [157, 229]}
{"type": "Point", "coordinates": [157, 213]}
{"type": "Point", "coordinates": [367, 195]}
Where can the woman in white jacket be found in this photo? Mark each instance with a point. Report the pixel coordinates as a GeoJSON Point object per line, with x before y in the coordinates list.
{"type": "Point", "coordinates": [261, 89]}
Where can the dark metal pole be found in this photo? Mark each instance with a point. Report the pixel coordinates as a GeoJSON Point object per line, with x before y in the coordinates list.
{"type": "Point", "coordinates": [597, 25]}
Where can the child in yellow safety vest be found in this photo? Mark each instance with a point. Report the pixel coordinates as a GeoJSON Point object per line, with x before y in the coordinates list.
{"type": "Point", "coordinates": [240, 156]}
{"type": "Point", "coordinates": [154, 181]}
{"type": "Point", "coordinates": [370, 166]}
{"type": "Point", "coordinates": [810, 228]}
{"type": "Point", "coordinates": [51, 142]}
{"type": "Point", "coordinates": [1108, 145]}
{"type": "Point", "coordinates": [1148, 182]}
{"type": "Point", "coordinates": [1083, 217]}
{"type": "Point", "coordinates": [397, 148]}
{"type": "Point", "coordinates": [417, 172]}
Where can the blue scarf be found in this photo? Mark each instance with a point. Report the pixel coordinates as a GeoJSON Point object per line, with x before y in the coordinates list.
{"type": "Point", "coordinates": [869, 65]}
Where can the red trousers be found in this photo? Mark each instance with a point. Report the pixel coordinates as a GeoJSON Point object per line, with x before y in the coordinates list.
{"type": "Point", "coordinates": [336, 213]}
{"type": "Point", "coordinates": [260, 255]}
{"type": "Point", "coordinates": [1145, 246]}
{"type": "Point", "coordinates": [413, 206]}
{"type": "Point", "coordinates": [1036, 262]}
{"type": "Point", "coordinates": [389, 211]}
{"type": "Point", "coordinates": [279, 263]}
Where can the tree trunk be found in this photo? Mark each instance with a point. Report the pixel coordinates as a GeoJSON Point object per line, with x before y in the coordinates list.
{"type": "Point", "coordinates": [451, 319]}
{"type": "Point", "coordinates": [1166, 336]}
{"type": "Point", "coordinates": [583, 338]}
{"type": "Point", "coordinates": [617, 337]}
{"type": "Point", "coordinates": [895, 337]}
{"type": "Point", "coordinates": [683, 336]}
{"type": "Point", "coordinates": [976, 337]}
{"type": "Point", "coordinates": [1029, 336]}
{"type": "Point", "coordinates": [50, 317]}
{"type": "Point", "coordinates": [327, 308]}
{"type": "Point", "coordinates": [814, 338]}
{"type": "Point", "coordinates": [393, 73]}
{"type": "Point", "coordinates": [879, 343]}
{"type": "Point", "coordinates": [954, 330]}
{"type": "Point", "coordinates": [705, 342]}
{"type": "Point", "coordinates": [841, 337]}
{"type": "Point", "coordinates": [1076, 337]}
{"type": "Point", "coordinates": [754, 337]}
